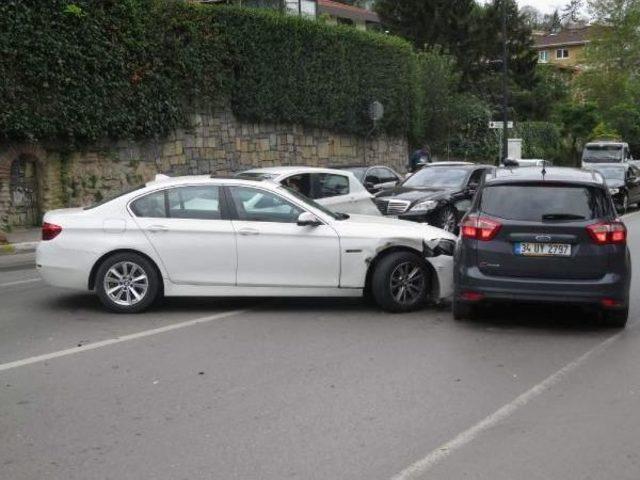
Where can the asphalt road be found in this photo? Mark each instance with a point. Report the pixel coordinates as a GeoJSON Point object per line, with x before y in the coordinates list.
{"type": "Point", "coordinates": [311, 389]}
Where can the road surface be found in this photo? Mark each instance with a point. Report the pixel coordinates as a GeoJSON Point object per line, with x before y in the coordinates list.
{"type": "Point", "coordinates": [311, 389]}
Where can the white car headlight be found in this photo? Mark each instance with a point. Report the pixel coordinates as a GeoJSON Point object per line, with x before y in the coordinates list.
{"type": "Point", "coordinates": [424, 206]}
{"type": "Point", "coordinates": [613, 191]}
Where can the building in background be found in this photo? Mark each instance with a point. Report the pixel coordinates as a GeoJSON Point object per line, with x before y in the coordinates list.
{"type": "Point", "coordinates": [564, 49]}
{"type": "Point", "coordinates": [342, 14]}
{"type": "Point", "coordinates": [330, 11]}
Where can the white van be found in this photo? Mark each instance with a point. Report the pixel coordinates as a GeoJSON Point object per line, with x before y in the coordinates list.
{"type": "Point", "coordinates": [605, 152]}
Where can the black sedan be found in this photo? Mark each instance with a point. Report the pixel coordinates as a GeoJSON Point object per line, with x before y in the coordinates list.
{"type": "Point", "coordinates": [439, 194]}
{"type": "Point", "coordinates": [623, 180]}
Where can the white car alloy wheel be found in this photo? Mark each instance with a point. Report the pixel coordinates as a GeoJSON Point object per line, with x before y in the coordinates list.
{"type": "Point", "coordinates": [407, 283]}
{"type": "Point", "coordinates": [126, 283]}
{"type": "Point", "coordinates": [400, 282]}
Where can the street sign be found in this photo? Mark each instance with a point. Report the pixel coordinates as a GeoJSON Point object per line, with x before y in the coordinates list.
{"type": "Point", "coordinates": [376, 110]}
{"type": "Point", "coordinates": [498, 125]}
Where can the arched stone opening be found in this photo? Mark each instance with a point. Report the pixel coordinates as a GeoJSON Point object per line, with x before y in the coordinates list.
{"type": "Point", "coordinates": [24, 192]}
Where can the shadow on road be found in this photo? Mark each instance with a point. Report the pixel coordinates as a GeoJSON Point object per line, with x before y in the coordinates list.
{"type": "Point", "coordinates": [508, 317]}
{"type": "Point", "coordinates": [538, 317]}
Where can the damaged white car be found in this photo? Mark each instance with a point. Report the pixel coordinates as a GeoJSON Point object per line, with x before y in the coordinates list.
{"type": "Point", "coordinates": [202, 236]}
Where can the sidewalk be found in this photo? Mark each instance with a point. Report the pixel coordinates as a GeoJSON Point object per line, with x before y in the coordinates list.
{"type": "Point", "coordinates": [20, 241]}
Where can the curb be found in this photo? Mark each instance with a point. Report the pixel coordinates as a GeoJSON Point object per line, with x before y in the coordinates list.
{"type": "Point", "coordinates": [13, 248]}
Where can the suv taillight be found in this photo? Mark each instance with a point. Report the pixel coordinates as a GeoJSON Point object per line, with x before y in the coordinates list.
{"type": "Point", "coordinates": [479, 227]}
{"type": "Point", "coordinates": [608, 233]}
{"type": "Point", "coordinates": [50, 231]}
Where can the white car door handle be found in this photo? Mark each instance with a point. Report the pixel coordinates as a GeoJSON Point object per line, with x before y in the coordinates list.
{"type": "Point", "coordinates": [156, 228]}
{"type": "Point", "coordinates": [248, 231]}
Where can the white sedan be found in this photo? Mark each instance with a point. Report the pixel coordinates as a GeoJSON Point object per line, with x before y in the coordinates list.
{"type": "Point", "coordinates": [202, 236]}
{"type": "Point", "coordinates": [338, 190]}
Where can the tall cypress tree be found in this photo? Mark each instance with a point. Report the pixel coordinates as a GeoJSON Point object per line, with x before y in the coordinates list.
{"type": "Point", "coordinates": [427, 23]}
{"type": "Point", "coordinates": [471, 33]}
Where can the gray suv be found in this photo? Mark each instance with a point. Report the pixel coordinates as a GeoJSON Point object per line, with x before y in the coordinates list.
{"type": "Point", "coordinates": [543, 235]}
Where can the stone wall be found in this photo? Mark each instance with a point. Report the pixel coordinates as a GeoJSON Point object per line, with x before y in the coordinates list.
{"type": "Point", "coordinates": [217, 143]}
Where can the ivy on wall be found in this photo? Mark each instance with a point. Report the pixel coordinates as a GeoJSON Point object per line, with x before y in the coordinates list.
{"type": "Point", "coordinates": [77, 71]}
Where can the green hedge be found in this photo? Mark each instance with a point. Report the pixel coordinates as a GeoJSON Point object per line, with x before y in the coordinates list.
{"type": "Point", "coordinates": [540, 140]}
{"type": "Point", "coordinates": [294, 70]}
{"type": "Point", "coordinates": [83, 70]}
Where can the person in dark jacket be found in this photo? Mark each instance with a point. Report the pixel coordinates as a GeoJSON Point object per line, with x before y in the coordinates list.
{"type": "Point", "coordinates": [419, 158]}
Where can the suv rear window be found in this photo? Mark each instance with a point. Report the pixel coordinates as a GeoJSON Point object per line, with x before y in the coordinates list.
{"type": "Point", "coordinates": [544, 202]}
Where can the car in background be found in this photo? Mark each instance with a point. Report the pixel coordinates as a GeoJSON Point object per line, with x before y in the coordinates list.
{"type": "Point", "coordinates": [605, 152]}
{"type": "Point", "coordinates": [202, 236]}
{"type": "Point", "coordinates": [623, 181]}
{"type": "Point", "coordinates": [527, 162]}
{"type": "Point", "coordinates": [374, 178]}
{"type": "Point", "coordinates": [338, 190]}
{"type": "Point", "coordinates": [438, 194]}
{"type": "Point", "coordinates": [548, 236]}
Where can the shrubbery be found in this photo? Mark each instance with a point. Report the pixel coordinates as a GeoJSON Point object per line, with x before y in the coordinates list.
{"type": "Point", "coordinates": [82, 70]}
{"type": "Point", "coordinates": [540, 140]}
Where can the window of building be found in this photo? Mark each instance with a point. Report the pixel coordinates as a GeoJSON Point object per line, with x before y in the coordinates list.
{"type": "Point", "coordinates": [344, 21]}
{"type": "Point", "coordinates": [543, 56]}
{"type": "Point", "coordinates": [562, 53]}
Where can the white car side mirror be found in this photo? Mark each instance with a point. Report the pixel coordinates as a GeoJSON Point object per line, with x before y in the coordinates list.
{"type": "Point", "coordinates": [307, 219]}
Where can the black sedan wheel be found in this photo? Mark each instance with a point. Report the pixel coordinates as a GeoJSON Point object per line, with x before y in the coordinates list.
{"type": "Point", "coordinates": [447, 219]}
{"type": "Point", "coordinates": [400, 282]}
{"type": "Point", "coordinates": [623, 205]}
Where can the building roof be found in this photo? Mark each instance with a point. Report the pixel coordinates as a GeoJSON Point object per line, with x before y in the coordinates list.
{"type": "Point", "coordinates": [343, 10]}
{"type": "Point", "coordinates": [570, 36]}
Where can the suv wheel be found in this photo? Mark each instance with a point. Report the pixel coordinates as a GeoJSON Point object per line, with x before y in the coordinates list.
{"type": "Point", "coordinates": [127, 283]}
{"type": "Point", "coordinates": [447, 219]}
{"type": "Point", "coordinates": [400, 282]}
{"type": "Point", "coordinates": [615, 318]}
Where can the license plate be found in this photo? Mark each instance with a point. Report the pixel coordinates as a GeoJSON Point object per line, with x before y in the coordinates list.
{"type": "Point", "coordinates": [543, 249]}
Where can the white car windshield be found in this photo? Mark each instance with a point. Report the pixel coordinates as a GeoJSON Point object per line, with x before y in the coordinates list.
{"type": "Point", "coordinates": [437, 177]}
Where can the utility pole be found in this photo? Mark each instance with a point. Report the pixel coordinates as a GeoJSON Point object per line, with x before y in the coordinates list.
{"type": "Point", "coordinates": [505, 84]}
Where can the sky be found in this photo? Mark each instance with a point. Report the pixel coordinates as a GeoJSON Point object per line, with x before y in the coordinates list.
{"type": "Point", "coordinates": [545, 6]}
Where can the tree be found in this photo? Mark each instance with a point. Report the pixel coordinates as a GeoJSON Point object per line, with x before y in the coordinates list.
{"type": "Point", "coordinates": [578, 121]}
{"type": "Point", "coordinates": [471, 33]}
{"type": "Point", "coordinates": [612, 79]}
{"type": "Point", "coordinates": [429, 23]}
{"type": "Point", "coordinates": [532, 17]}
{"type": "Point", "coordinates": [571, 13]}
{"type": "Point", "coordinates": [484, 75]}
{"type": "Point", "coordinates": [552, 22]}
{"type": "Point", "coordinates": [454, 124]}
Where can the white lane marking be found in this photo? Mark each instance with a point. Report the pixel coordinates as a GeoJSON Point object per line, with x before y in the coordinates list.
{"type": "Point", "coordinates": [113, 341]}
{"type": "Point", "coordinates": [20, 282]}
{"type": "Point", "coordinates": [422, 466]}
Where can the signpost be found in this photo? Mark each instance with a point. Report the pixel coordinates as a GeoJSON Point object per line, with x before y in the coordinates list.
{"type": "Point", "coordinates": [375, 113]}
{"type": "Point", "coordinates": [502, 137]}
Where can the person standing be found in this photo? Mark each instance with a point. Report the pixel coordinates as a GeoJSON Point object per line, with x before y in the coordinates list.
{"type": "Point", "coordinates": [419, 158]}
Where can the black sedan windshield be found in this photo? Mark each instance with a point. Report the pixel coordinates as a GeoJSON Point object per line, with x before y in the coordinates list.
{"type": "Point", "coordinates": [437, 177]}
{"type": "Point", "coordinates": [612, 173]}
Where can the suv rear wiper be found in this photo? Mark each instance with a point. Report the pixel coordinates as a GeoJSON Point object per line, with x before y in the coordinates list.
{"type": "Point", "coordinates": [562, 216]}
